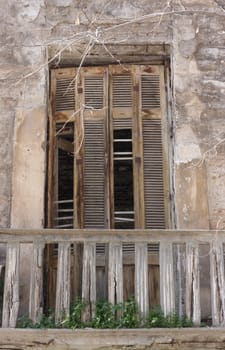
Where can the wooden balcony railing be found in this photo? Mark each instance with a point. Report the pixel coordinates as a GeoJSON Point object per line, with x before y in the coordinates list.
{"type": "Point", "coordinates": [174, 271]}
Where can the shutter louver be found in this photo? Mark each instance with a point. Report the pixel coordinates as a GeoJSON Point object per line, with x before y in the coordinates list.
{"type": "Point", "coordinates": [94, 182]}
{"type": "Point", "coordinates": [94, 85]}
{"type": "Point", "coordinates": [122, 91]}
{"type": "Point", "coordinates": [122, 124]}
{"type": "Point", "coordinates": [153, 174]}
{"type": "Point", "coordinates": [94, 90]}
{"type": "Point", "coordinates": [150, 91]}
{"type": "Point", "coordinates": [65, 99]}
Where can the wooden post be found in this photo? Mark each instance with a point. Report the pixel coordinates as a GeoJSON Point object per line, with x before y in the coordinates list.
{"type": "Point", "coordinates": [76, 275]}
{"type": "Point", "coordinates": [89, 280]}
{"type": "Point", "coordinates": [217, 283]}
{"type": "Point", "coordinates": [193, 283]}
{"type": "Point", "coordinates": [62, 306]}
{"type": "Point", "coordinates": [141, 277]}
{"type": "Point", "coordinates": [11, 288]}
{"type": "Point", "coordinates": [36, 283]}
{"type": "Point", "coordinates": [167, 295]}
{"type": "Point", "coordinates": [115, 273]}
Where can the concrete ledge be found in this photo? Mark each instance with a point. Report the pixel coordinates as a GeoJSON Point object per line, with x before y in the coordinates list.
{"type": "Point", "coordinates": [89, 339]}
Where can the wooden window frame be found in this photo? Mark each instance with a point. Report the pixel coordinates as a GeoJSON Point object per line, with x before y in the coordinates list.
{"type": "Point", "coordinates": [77, 114]}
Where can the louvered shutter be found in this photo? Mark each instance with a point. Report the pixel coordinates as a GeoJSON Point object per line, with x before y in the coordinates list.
{"type": "Point", "coordinates": [94, 106]}
{"type": "Point", "coordinates": [62, 108]}
{"type": "Point", "coordinates": [121, 111]}
{"type": "Point", "coordinates": [63, 93]}
{"type": "Point", "coordinates": [152, 110]}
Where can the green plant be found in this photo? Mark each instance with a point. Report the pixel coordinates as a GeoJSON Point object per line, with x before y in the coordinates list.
{"type": "Point", "coordinates": [129, 317]}
{"type": "Point", "coordinates": [24, 322]}
{"type": "Point", "coordinates": [122, 315]}
{"type": "Point", "coordinates": [74, 319]}
{"type": "Point", "coordinates": [156, 318]}
{"type": "Point", "coordinates": [105, 315]}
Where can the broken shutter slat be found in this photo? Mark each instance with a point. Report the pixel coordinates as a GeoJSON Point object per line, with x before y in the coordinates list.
{"type": "Point", "coordinates": [121, 111]}
{"type": "Point", "coordinates": [63, 82]}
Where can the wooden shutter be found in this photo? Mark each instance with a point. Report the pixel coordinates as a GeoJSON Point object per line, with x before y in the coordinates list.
{"type": "Point", "coordinates": [94, 106]}
{"type": "Point", "coordinates": [120, 118]}
{"type": "Point", "coordinates": [63, 93]}
{"type": "Point", "coordinates": [152, 110]}
{"type": "Point", "coordinates": [61, 111]}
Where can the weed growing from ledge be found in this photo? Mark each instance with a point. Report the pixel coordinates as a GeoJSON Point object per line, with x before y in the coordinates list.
{"type": "Point", "coordinates": [109, 316]}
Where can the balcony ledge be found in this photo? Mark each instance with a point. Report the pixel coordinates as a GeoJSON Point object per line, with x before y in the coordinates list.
{"type": "Point", "coordinates": [92, 339]}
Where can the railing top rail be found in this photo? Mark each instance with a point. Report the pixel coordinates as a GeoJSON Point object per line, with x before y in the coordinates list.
{"type": "Point", "coordinates": [105, 236]}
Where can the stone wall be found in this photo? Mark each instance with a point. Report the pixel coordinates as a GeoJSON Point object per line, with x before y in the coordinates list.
{"type": "Point", "coordinates": [33, 32]}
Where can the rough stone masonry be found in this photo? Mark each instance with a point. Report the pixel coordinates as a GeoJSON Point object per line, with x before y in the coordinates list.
{"type": "Point", "coordinates": [32, 32]}
{"type": "Point", "coordinates": [36, 34]}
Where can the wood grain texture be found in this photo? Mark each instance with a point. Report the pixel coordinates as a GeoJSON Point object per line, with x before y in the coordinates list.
{"type": "Point", "coordinates": [63, 286]}
{"type": "Point", "coordinates": [141, 277]}
{"type": "Point", "coordinates": [11, 287]}
{"type": "Point", "coordinates": [36, 283]}
{"type": "Point", "coordinates": [167, 295]}
{"type": "Point", "coordinates": [115, 273]}
{"type": "Point", "coordinates": [193, 283]}
{"type": "Point", "coordinates": [89, 279]}
{"type": "Point", "coordinates": [217, 282]}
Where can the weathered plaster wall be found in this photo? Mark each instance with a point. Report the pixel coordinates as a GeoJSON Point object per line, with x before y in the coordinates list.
{"type": "Point", "coordinates": [195, 31]}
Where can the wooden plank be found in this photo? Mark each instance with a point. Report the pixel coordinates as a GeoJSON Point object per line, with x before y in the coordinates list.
{"type": "Point", "coordinates": [217, 283]}
{"type": "Point", "coordinates": [115, 273]}
{"type": "Point", "coordinates": [167, 294]}
{"type": "Point", "coordinates": [105, 235]}
{"type": "Point", "coordinates": [76, 271]}
{"type": "Point", "coordinates": [138, 166]}
{"type": "Point", "coordinates": [36, 283]}
{"type": "Point", "coordinates": [89, 280]}
{"type": "Point", "coordinates": [51, 155]}
{"type": "Point", "coordinates": [63, 281]}
{"type": "Point", "coordinates": [141, 277]}
{"type": "Point", "coordinates": [193, 310]}
{"type": "Point", "coordinates": [65, 145]}
{"type": "Point", "coordinates": [11, 287]}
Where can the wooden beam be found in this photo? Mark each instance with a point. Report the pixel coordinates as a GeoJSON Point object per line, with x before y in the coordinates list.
{"type": "Point", "coordinates": [217, 283]}
{"type": "Point", "coordinates": [193, 310]}
{"type": "Point", "coordinates": [11, 287]}
{"type": "Point", "coordinates": [65, 145]}
{"type": "Point", "coordinates": [62, 305]}
{"type": "Point", "coordinates": [141, 277]}
{"type": "Point", "coordinates": [167, 294]}
{"type": "Point", "coordinates": [115, 273]}
{"type": "Point", "coordinates": [89, 280]}
{"type": "Point", "coordinates": [105, 236]}
{"type": "Point", "coordinates": [36, 283]}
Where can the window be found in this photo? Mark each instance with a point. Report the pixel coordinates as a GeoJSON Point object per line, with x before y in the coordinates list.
{"type": "Point", "coordinates": [107, 148]}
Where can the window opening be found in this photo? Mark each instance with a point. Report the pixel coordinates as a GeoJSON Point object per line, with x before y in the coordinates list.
{"type": "Point", "coordinates": [123, 179]}
{"type": "Point", "coordinates": [64, 179]}
{"type": "Point", "coordinates": [115, 176]}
